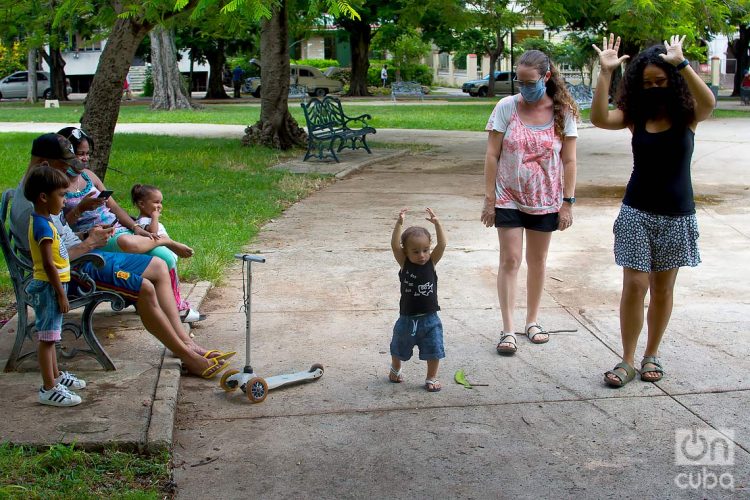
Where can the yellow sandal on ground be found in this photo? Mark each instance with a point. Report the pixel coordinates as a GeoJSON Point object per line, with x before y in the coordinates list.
{"type": "Point", "coordinates": [214, 368]}
{"type": "Point", "coordinates": [221, 356]}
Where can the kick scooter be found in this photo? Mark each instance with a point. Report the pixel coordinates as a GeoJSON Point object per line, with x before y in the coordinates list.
{"type": "Point", "coordinates": [254, 386]}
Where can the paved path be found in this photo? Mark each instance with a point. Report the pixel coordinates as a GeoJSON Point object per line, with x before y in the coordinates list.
{"type": "Point", "coordinates": [545, 425]}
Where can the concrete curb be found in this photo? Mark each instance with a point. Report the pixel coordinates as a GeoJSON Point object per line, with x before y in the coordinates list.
{"type": "Point", "coordinates": [161, 421]}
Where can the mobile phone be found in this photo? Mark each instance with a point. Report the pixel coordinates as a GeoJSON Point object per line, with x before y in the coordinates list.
{"type": "Point", "coordinates": [105, 194]}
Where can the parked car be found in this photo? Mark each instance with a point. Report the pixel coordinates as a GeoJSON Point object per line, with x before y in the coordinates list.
{"type": "Point", "coordinates": [311, 77]}
{"type": "Point", "coordinates": [480, 87]}
{"type": "Point", "coordinates": [16, 85]}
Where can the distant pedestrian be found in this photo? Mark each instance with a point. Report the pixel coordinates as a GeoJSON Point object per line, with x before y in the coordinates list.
{"type": "Point", "coordinates": [237, 75]}
{"type": "Point", "coordinates": [418, 323]}
{"type": "Point", "coordinates": [661, 100]}
{"type": "Point", "coordinates": [127, 91]}
{"type": "Point", "coordinates": [384, 74]}
{"type": "Point", "coordinates": [45, 187]}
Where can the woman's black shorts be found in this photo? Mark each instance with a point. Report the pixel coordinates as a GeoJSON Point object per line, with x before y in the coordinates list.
{"type": "Point", "coordinates": [507, 217]}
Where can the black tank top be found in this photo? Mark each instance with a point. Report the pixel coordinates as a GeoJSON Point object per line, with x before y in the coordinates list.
{"type": "Point", "coordinates": [418, 288]}
{"type": "Point", "coordinates": [660, 182]}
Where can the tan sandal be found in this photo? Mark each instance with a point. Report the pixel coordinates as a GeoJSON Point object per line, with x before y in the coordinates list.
{"type": "Point", "coordinates": [657, 368]}
{"type": "Point", "coordinates": [511, 347]}
{"type": "Point", "coordinates": [540, 331]}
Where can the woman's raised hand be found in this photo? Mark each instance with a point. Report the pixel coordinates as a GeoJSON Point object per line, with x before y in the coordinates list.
{"type": "Point", "coordinates": [674, 50]}
{"type": "Point", "coordinates": [608, 59]}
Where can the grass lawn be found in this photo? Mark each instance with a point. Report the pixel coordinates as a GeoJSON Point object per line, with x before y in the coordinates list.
{"type": "Point", "coordinates": [64, 472]}
{"type": "Point", "coordinates": [217, 194]}
{"type": "Point", "coordinates": [448, 117]}
{"type": "Point", "coordinates": [459, 116]}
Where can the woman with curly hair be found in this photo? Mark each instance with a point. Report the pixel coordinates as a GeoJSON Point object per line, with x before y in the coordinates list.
{"type": "Point", "coordinates": [530, 178]}
{"type": "Point", "coordinates": [660, 100]}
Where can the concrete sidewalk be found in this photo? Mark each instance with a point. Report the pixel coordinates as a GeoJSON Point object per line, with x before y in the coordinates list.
{"type": "Point", "coordinates": [545, 425]}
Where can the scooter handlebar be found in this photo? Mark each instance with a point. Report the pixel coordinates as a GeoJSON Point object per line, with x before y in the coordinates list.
{"type": "Point", "coordinates": [246, 256]}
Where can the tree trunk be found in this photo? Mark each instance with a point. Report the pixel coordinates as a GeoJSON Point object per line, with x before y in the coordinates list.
{"type": "Point", "coordinates": [169, 91]}
{"type": "Point", "coordinates": [276, 128]}
{"type": "Point", "coordinates": [494, 55]}
{"type": "Point", "coordinates": [216, 60]}
{"type": "Point", "coordinates": [102, 105]}
{"type": "Point", "coordinates": [31, 92]}
{"type": "Point", "coordinates": [740, 52]}
{"type": "Point", "coordinates": [56, 63]}
{"type": "Point", "coordinates": [360, 35]}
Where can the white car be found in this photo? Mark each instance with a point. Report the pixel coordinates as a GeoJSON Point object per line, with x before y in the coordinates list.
{"type": "Point", "coordinates": [16, 85]}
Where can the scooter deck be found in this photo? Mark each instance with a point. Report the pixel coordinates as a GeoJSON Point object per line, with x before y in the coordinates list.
{"type": "Point", "coordinates": [293, 378]}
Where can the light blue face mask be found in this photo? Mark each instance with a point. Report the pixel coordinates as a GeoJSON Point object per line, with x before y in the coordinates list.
{"type": "Point", "coordinates": [532, 94]}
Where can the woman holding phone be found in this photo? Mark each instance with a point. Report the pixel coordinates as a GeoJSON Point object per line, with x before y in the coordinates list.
{"type": "Point", "coordinates": [88, 204]}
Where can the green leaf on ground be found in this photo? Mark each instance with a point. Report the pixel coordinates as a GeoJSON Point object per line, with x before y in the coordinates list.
{"type": "Point", "coordinates": [460, 378]}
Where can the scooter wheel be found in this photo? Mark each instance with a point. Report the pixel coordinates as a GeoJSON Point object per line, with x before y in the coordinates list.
{"type": "Point", "coordinates": [229, 385]}
{"type": "Point", "coordinates": [256, 390]}
{"type": "Point", "coordinates": [315, 367]}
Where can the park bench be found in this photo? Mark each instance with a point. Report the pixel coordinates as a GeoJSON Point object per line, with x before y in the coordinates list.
{"type": "Point", "coordinates": [582, 94]}
{"type": "Point", "coordinates": [20, 269]}
{"type": "Point", "coordinates": [297, 91]}
{"type": "Point", "coordinates": [328, 126]}
{"type": "Point", "coordinates": [401, 89]}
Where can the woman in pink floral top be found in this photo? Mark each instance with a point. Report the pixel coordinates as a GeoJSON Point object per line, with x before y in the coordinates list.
{"type": "Point", "coordinates": [530, 175]}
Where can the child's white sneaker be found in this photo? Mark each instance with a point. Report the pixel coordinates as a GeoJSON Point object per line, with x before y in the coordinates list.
{"type": "Point", "coordinates": [58, 396]}
{"type": "Point", "coordinates": [70, 381]}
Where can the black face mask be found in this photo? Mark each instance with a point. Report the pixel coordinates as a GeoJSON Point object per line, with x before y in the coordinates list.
{"type": "Point", "coordinates": [656, 99]}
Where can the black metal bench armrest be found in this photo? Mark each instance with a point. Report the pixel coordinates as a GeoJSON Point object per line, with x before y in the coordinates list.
{"type": "Point", "coordinates": [96, 259]}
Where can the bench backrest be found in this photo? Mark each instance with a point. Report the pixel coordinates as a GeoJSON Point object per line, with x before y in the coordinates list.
{"type": "Point", "coordinates": [323, 114]}
{"type": "Point", "coordinates": [582, 94]}
{"type": "Point", "coordinates": [19, 264]}
{"type": "Point", "coordinates": [297, 90]}
{"type": "Point", "coordinates": [406, 88]}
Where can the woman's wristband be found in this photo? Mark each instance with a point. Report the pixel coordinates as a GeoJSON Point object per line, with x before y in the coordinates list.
{"type": "Point", "coordinates": [684, 64]}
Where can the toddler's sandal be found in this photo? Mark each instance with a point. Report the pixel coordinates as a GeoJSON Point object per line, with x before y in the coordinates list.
{"type": "Point", "coordinates": [432, 385]}
{"type": "Point", "coordinates": [395, 376]}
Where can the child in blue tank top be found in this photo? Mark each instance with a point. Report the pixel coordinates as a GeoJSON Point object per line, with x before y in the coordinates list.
{"type": "Point", "coordinates": [418, 323]}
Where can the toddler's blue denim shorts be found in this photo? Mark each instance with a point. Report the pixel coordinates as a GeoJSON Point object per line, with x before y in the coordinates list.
{"type": "Point", "coordinates": [424, 331]}
{"type": "Point", "coordinates": [46, 309]}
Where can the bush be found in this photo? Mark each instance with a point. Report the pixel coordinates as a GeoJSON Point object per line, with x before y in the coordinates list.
{"type": "Point", "coordinates": [321, 64]}
{"type": "Point", "coordinates": [148, 83]}
{"type": "Point", "coordinates": [244, 63]}
{"type": "Point", "coordinates": [344, 75]}
{"type": "Point", "coordinates": [12, 59]}
{"type": "Point", "coordinates": [420, 73]}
